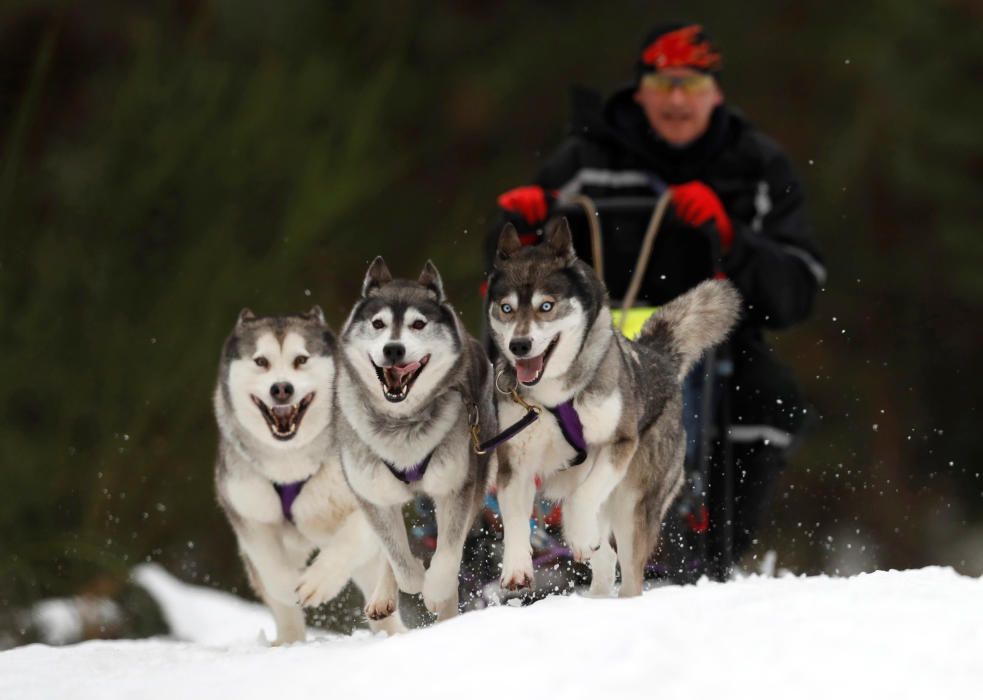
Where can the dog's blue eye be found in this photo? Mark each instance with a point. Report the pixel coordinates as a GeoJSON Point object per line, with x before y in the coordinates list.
{"type": "Point", "coordinates": [546, 306]}
{"type": "Point", "coordinates": [506, 308]}
{"type": "Point", "coordinates": [377, 324]}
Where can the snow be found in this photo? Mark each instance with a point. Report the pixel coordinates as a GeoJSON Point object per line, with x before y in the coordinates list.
{"type": "Point", "coordinates": [58, 620]}
{"type": "Point", "coordinates": [204, 615]}
{"type": "Point", "coordinates": [62, 620]}
{"type": "Point", "coordinates": [898, 634]}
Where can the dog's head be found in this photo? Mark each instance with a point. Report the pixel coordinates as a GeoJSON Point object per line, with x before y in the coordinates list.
{"type": "Point", "coordinates": [402, 338]}
{"type": "Point", "coordinates": [277, 376]}
{"type": "Point", "coordinates": [542, 301]}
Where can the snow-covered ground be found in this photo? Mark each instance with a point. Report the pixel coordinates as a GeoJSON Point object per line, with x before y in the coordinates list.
{"type": "Point", "coordinates": [897, 634]}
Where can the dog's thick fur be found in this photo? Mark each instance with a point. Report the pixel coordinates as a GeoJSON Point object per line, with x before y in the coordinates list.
{"type": "Point", "coordinates": [550, 319]}
{"type": "Point", "coordinates": [409, 376]}
{"type": "Point", "coordinates": [286, 441]}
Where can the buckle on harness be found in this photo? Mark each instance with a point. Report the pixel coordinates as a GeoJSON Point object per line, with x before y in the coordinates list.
{"type": "Point", "coordinates": [474, 427]}
{"type": "Point", "coordinates": [513, 391]}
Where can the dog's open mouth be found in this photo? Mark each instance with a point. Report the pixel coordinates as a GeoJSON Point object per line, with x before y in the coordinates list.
{"type": "Point", "coordinates": [397, 379]}
{"type": "Point", "coordinates": [530, 370]}
{"type": "Point", "coordinates": [284, 419]}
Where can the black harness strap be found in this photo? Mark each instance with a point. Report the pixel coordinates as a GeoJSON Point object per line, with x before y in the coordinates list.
{"type": "Point", "coordinates": [510, 432]}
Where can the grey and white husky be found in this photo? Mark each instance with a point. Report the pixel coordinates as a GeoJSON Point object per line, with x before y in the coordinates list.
{"type": "Point", "coordinates": [411, 385]}
{"type": "Point", "coordinates": [612, 443]}
{"type": "Point", "coordinates": [278, 474]}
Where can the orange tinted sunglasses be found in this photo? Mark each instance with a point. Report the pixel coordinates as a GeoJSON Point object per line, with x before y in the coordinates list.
{"type": "Point", "coordinates": [689, 84]}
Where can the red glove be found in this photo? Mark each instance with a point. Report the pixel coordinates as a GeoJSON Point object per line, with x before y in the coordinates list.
{"type": "Point", "coordinates": [697, 204]}
{"type": "Point", "coordinates": [528, 201]}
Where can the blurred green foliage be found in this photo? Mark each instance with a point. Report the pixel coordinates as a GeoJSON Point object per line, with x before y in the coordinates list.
{"type": "Point", "coordinates": [163, 166]}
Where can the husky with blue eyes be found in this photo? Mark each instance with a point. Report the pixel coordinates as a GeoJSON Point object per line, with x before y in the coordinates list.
{"type": "Point", "coordinates": [413, 387]}
{"type": "Point", "coordinates": [609, 440]}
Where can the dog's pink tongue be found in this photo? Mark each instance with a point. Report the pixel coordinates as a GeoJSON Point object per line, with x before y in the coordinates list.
{"type": "Point", "coordinates": [528, 370]}
{"type": "Point", "coordinates": [400, 372]}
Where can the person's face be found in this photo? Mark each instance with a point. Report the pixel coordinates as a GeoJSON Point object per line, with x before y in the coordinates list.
{"type": "Point", "coordinates": [678, 103]}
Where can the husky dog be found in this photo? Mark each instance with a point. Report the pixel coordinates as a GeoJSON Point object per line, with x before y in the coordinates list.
{"type": "Point", "coordinates": [279, 478]}
{"type": "Point", "coordinates": [411, 384]}
{"type": "Point", "coordinates": [611, 443]}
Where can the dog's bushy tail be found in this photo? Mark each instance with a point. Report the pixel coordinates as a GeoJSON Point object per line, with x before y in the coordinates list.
{"type": "Point", "coordinates": [690, 324]}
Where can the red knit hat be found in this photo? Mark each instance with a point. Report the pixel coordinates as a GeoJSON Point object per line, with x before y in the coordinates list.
{"type": "Point", "coordinates": [679, 46]}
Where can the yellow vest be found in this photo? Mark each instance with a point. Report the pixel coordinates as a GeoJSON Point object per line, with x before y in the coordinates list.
{"type": "Point", "coordinates": [634, 321]}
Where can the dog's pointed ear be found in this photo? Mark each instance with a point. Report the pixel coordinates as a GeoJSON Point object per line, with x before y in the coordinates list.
{"type": "Point", "coordinates": [560, 240]}
{"type": "Point", "coordinates": [245, 316]}
{"type": "Point", "coordinates": [508, 242]}
{"type": "Point", "coordinates": [316, 314]}
{"type": "Point", "coordinates": [377, 276]}
{"type": "Point", "coordinates": [430, 278]}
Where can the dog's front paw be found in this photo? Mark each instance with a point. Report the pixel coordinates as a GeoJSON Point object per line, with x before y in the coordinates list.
{"type": "Point", "coordinates": [440, 585]}
{"type": "Point", "coordinates": [410, 578]}
{"type": "Point", "coordinates": [581, 533]}
{"type": "Point", "coordinates": [583, 554]}
{"type": "Point", "coordinates": [290, 626]}
{"type": "Point", "coordinates": [517, 572]}
{"type": "Point", "coordinates": [518, 580]}
{"type": "Point", "coordinates": [602, 573]}
{"type": "Point", "coordinates": [319, 583]}
{"type": "Point", "coordinates": [380, 609]}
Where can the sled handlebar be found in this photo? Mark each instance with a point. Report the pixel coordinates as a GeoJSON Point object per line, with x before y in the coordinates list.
{"type": "Point", "coordinates": [607, 205]}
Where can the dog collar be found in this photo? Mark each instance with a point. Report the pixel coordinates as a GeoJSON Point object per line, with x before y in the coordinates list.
{"type": "Point", "coordinates": [288, 494]}
{"type": "Point", "coordinates": [412, 475]}
{"type": "Point", "coordinates": [573, 430]}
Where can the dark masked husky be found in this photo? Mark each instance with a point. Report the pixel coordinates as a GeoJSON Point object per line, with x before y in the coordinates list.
{"type": "Point", "coordinates": [279, 477]}
{"type": "Point", "coordinates": [411, 382]}
{"type": "Point", "coordinates": [611, 443]}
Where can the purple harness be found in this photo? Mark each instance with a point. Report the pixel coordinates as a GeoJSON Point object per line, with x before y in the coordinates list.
{"type": "Point", "coordinates": [572, 429]}
{"type": "Point", "coordinates": [566, 417]}
{"type": "Point", "coordinates": [410, 476]}
{"type": "Point", "coordinates": [288, 494]}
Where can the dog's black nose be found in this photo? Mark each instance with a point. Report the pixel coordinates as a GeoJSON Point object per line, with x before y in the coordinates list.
{"type": "Point", "coordinates": [282, 391]}
{"type": "Point", "coordinates": [394, 352]}
{"type": "Point", "coordinates": [520, 347]}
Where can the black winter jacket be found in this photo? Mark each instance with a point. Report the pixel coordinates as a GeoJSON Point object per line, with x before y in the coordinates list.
{"type": "Point", "coordinates": [774, 260]}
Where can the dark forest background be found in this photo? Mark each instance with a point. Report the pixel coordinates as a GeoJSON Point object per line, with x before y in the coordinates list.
{"type": "Point", "coordinates": [164, 164]}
